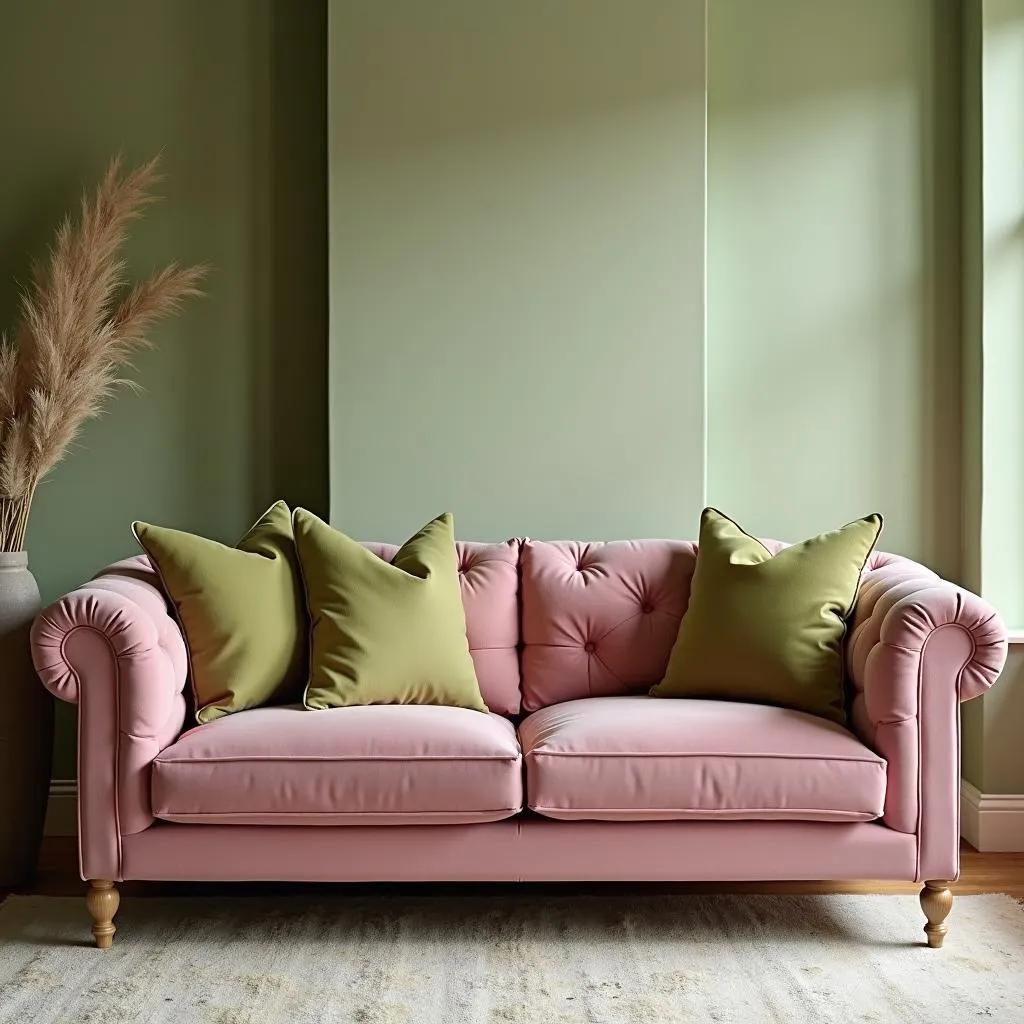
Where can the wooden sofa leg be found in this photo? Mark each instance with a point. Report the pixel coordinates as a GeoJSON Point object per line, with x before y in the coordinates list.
{"type": "Point", "coordinates": [936, 902]}
{"type": "Point", "coordinates": [102, 899]}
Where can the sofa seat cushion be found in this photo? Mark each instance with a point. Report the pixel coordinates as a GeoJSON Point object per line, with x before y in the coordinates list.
{"type": "Point", "coordinates": [641, 759]}
{"type": "Point", "coordinates": [373, 765]}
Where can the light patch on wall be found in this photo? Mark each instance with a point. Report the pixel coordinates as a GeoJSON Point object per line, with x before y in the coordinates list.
{"type": "Point", "coordinates": [832, 272]}
{"type": "Point", "coordinates": [1002, 319]}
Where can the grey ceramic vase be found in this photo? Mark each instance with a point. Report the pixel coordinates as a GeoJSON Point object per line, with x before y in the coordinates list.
{"type": "Point", "coordinates": [26, 726]}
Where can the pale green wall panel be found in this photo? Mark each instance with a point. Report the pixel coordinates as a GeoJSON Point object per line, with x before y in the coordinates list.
{"type": "Point", "coordinates": [516, 253]}
{"type": "Point", "coordinates": [972, 235]}
{"type": "Point", "coordinates": [233, 93]}
{"type": "Point", "coordinates": [833, 276]}
{"type": "Point", "coordinates": [973, 713]}
{"type": "Point", "coordinates": [1002, 316]}
{"type": "Point", "coordinates": [972, 740]}
{"type": "Point", "coordinates": [997, 269]}
{"type": "Point", "coordinates": [1003, 708]}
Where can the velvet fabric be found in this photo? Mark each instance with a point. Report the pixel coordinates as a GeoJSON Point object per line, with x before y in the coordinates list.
{"type": "Point", "coordinates": [524, 850]}
{"type": "Point", "coordinates": [379, 764]}
{"type": "Point", "coordinates": [489, 581]}
{"type": "Point", "coordinates": [112, 648]}
{"type": "Point", "coordinates": [385, 632]}
{"type": "Point", "coordinates": [637, 759]}
{"type": "Point", "coordinates": [918, 646]}
{"type": "Point", "coordinates": [600, 619]}
{"type": "Point", "coordinates": [769, 627]}
{"type": "Point", "coordinates": [241, 611]}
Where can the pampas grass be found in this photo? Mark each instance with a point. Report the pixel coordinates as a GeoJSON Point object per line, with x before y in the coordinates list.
{"type": "Point", "coordinates": [81, 323]}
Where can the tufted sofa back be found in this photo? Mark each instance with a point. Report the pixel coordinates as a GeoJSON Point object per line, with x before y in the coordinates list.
{"type": "Point", "coordinates": [554, 621]}
{"type": "Point", "coordinates": [600, 619]}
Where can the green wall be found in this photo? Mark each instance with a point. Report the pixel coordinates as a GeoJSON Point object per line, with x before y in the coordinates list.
{"type": "Point", "coordinates": [1001, 270]}
{"type": "Point", "coordinates": [835, 172]}
{"type": "Point", "coordinates": [993, 211]}
{"type": "Point", "coordinates": [833, 268]}
{"type": "Point", "coordinates": [973, 713]}
{"type": "Point", "coordinates": [517, 253]}
{"type": "Point", "coordinates": [234, 408]}
{"type": "Point", "coordinates": [506, 341]}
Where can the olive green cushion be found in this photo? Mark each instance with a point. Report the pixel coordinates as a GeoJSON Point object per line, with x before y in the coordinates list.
{"type": "Point", "coordinates": [769, 629]}
{"type": "Point", "coordinates": [241, 611]}
{"type": "Point", "coordinates": [385, 633]}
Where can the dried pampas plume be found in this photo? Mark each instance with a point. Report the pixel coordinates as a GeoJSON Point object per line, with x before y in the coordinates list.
{"type": "Point", "coordinates": [81, 322]}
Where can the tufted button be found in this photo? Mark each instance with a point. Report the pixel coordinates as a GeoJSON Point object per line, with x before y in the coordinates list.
{"type": "Point", "coordinates": [646, 609]}
{"type": "Point", "coordinates": [590, 647]}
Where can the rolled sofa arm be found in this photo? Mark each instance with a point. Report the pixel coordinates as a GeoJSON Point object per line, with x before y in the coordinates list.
{"type": "Point", "coordinates": [112, 648]}
{"type": "Point", "coordinates": [919, 646]}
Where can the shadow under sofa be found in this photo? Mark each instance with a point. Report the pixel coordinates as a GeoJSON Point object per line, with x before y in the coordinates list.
{"type": "Point", "coordinates": [575, 775]}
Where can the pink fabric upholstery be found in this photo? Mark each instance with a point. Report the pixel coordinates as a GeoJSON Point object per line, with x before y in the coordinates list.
{"type": "Point", "coordinates": [112, 648]}
{"type": "Point", "coordinates": [380, 765]}
{"type": "Point", "coordinates": [600, 619]}
{"type": "Point", "coordinates": [526, 849]}
{"type": "Point", "coordinates": [918, 647]}
{"type": "Point", "coordinates": [645, 759]}
{"type": "Point", "coordinates": [490, 594]}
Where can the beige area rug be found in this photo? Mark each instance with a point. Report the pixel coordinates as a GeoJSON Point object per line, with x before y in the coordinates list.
{"type": "Point", "coordinates": [506, 960]}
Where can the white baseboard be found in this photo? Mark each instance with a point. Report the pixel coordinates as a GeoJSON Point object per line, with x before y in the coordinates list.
{"type": "Point", "coordinates": [62, 809]}
{"type": "Point", "coordinates": [991, 822]}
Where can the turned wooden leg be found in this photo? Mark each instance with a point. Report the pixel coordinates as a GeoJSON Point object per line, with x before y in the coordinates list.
{"type": "Point", "coordinates": [936, 902]}
{"type": "Point", "coordinates": [102, 899]}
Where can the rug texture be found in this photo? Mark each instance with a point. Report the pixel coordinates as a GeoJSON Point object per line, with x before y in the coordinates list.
{"type": "Point", "coordinates": [507, 960]}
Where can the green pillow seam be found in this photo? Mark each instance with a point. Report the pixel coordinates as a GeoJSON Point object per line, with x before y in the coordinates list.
{"type": "Point", "coordinates": [851, 608]}
{"type": "Point", "coordinates": [309, 617]}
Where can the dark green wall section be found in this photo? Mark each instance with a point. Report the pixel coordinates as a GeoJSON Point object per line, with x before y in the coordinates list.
{"type": "Point", "coordinates": [234, 411]}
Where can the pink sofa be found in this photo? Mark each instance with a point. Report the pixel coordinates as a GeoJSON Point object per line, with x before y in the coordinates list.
{"type": "Point", "coordinates": [575, 775]}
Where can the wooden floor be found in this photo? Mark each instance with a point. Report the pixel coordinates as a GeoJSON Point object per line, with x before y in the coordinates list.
{"type": "Point", "coordinates": [979, 873]}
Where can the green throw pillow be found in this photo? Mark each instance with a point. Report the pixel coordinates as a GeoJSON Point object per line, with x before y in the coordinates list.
{"type": "Point", "coordinates": [385, 633]}
{"type": "Point", "coordinates": [769, 628]}
{"type": "Point", "coordinates": [241, 611]}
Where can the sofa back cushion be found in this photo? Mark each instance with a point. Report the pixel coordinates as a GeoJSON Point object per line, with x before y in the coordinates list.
{"type": "Point", "coordinates": [488, 574]}
{"type": "Point", "coordinates": [600, 619]}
